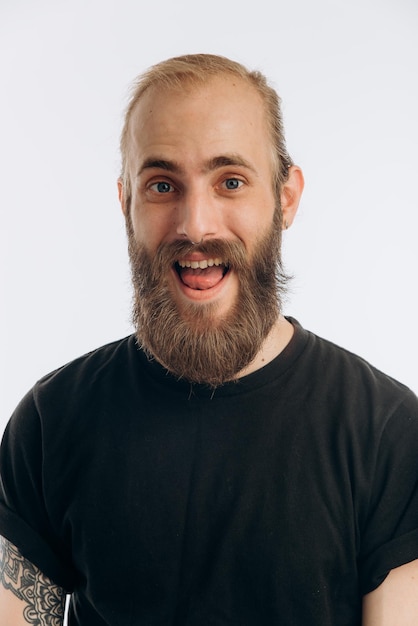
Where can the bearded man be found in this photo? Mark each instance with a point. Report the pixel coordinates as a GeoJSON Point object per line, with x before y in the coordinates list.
{"type": "Point", "coordinates": [222, 465]}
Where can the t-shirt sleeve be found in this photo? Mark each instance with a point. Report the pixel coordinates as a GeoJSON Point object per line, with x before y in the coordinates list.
{"type": "Point", "coordinates": [24, 519]}
{"type": "Point", "coordinates": [390, 534]}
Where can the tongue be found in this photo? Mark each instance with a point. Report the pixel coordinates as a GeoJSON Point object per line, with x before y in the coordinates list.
{"type": "Point", "coordinates": [202, 279]}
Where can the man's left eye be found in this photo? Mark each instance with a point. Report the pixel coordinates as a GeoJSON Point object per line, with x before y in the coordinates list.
{"type": "Point", "coordinates": [162, 187]}
{"type": "Point", "coordinates": [232, 183]}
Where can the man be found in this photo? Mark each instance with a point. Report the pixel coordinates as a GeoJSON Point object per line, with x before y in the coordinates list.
{"type": "Point", "coordinates": [223, 465]}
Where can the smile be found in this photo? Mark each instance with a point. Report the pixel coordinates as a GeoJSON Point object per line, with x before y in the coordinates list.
{"type": "Point", "coordinates": [201, 264]}
{"type": "Point", "coordinates": [201, 274]}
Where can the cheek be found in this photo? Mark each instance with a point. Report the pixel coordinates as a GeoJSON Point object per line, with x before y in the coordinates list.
{"type": "Point", "coordinates": [151, 226]}
{"type": "Point", "coordinates": [251, 222]}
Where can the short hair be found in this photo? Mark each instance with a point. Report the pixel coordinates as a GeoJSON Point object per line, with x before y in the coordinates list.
{"type": "Point", "coordinates": [194, 70]}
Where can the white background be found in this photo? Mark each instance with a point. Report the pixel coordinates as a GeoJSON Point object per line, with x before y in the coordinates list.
{"type": "Point", "coordinates": [347, 73]}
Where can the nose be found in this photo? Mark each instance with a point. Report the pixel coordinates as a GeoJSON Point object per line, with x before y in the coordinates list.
{"type": "Point", "coordinates": [198, 216]}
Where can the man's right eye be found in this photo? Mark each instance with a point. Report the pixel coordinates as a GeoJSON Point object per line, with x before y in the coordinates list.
{"type": "Point", "coordinates": [162, 187]}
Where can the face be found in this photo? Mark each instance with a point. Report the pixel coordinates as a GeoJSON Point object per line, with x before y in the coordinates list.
{"type": "Point", "coordinates": [201, 170]}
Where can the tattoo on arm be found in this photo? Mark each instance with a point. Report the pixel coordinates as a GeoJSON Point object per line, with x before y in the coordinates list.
{"type": "Point", "coordinates": [45, 600]}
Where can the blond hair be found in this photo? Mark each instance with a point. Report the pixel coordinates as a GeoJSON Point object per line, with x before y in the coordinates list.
{"type": "Point", "coordinates": [194, 70]}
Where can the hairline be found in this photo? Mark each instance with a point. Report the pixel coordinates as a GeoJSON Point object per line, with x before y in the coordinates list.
{"type": "Point", "coordinates": [192, 78]}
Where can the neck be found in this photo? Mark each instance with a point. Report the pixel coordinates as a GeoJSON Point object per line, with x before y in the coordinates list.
{"type": "Point", "coordinates": [275, 342]}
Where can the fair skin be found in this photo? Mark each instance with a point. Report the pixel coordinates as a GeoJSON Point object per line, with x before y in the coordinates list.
{"type": "Point", "coordinates": [182, 188]}
{"type": "Point", "coordinates": [27, 596]}
{"type": "Point", "coordinates": [186, 151]}
{"type": "Point", "coordinates": [395, 601]}
{"type": "Point", "coordinates": [199, 170]}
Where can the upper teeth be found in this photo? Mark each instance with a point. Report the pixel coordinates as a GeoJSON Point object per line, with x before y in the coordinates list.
{"type": "Point", "coordinates": [200, 264]}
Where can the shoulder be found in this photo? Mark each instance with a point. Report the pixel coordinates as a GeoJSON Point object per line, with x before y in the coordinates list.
{"type": "Point", "coordinates": [94, 360]}
{"type": "Point", "coordinates": [72, 385]}
{"type": "Point", "coordinates": [350, 373]}
{"type": "Point", "coordinates": [343, 391]}
{"type": "Point", "coordinates": [88, 371]}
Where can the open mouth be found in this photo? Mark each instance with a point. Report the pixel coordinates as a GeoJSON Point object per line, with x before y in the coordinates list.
{"type": "Point", "coordinates": [203, 274]}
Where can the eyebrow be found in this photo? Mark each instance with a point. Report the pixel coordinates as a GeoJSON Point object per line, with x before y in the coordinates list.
{"type": "Point", "coordinates": [210, 165]}
{"type": "Point", "coordinates": [226, 160]}
{"type": "Point", "coordinates": [159, 164]}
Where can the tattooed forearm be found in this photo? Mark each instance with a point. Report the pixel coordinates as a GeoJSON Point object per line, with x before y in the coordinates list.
{"type": "Point", "coordinates": [45, 602]}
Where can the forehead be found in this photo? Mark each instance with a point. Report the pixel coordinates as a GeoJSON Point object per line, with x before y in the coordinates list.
{"type": "Point", "coordinates": [222, 90]}
{"type": "Point", "coordinates": [224, 114]}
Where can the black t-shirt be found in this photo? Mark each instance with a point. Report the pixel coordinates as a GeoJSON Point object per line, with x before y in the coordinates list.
{"type": "Point", "coordinates": [278, 499]}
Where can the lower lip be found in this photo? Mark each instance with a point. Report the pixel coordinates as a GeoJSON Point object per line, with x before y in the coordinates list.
{"type": "Point", "coordinates": [201, 295]}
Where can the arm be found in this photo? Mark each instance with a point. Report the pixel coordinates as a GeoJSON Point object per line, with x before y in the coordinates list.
{"type": "Point", "coordinates": [395, 601]}
{"type": "Point", "coordinates": [26, 595]}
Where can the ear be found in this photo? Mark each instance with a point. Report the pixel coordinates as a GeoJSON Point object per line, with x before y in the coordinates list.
{"type": "Point", "coordinates": [121, 195]}
{"type": "Point", "coordinates": [290, 195]}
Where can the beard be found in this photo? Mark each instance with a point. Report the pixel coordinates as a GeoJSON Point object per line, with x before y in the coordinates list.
{"type": "Point", "coordinates": [193, 342]}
